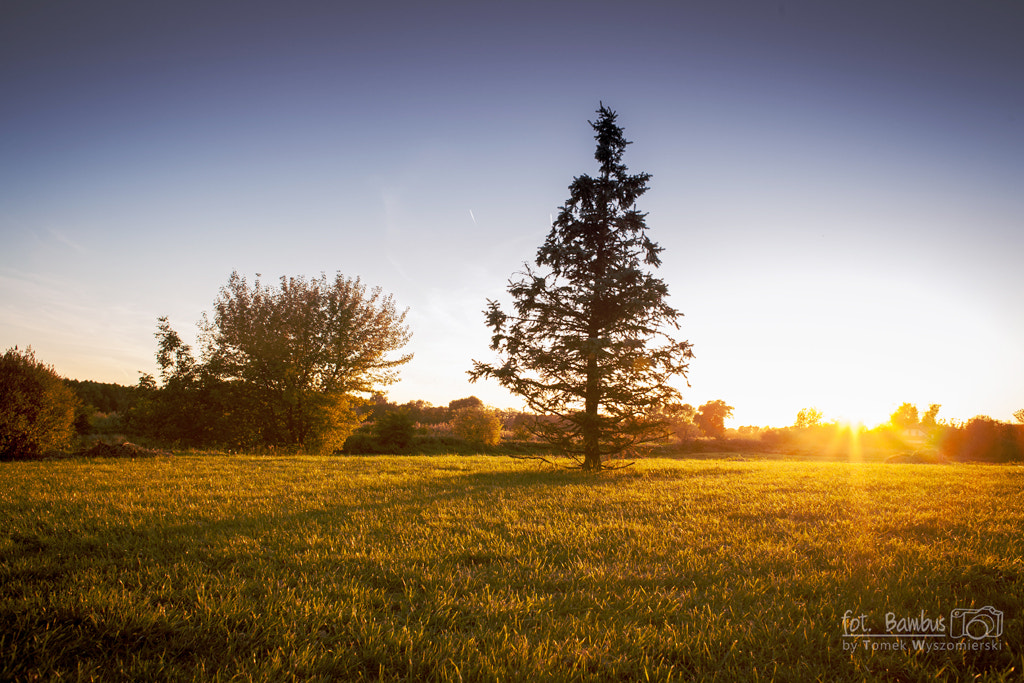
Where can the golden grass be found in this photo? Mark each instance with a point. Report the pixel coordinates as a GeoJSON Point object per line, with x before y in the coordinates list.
{"type": "Point", "coordinates": [481, 568]}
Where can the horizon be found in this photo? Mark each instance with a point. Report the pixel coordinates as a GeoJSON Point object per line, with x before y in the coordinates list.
{"type": "Point", "coordinates": [823, 421]}
{"type": "Point", "coordinates": [836, 188]}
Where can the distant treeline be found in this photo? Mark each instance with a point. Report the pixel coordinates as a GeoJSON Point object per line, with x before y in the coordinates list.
{"type": "Point", "coordinates": [103, 397]}
{"type": "Point", "coordinates": [910, 436]}
{"type": "Point", "coordinates": [980, 439]}
{"type": "Point", "coordinates": [466, 425]}
{"type": "Point", "coordinates": [167, 418]}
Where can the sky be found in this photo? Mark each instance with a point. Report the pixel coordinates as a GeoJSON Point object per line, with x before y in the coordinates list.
{"type": "Point", "coordinates": [838, 186]}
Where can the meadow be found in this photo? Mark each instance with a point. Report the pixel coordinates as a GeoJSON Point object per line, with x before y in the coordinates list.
{"type": "Point", "coordinates": [454, 568]}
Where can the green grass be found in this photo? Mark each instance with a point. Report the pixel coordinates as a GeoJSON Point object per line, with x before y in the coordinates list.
{"type": "Point", "coordinates": [477, 568]}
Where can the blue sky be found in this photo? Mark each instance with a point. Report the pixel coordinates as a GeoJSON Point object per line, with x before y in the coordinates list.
{"type": "Point", "coordinates": [837, 185]}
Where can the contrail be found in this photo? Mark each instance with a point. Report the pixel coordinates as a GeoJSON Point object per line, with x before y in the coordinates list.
{"type": "Point", "coordinates": [472, 216]}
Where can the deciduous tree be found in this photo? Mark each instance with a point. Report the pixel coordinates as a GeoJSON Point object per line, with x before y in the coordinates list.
{"type": "Point", "coordinates": [286, 363]}
{"type": "Point", "coordinates": [589, 338]}
{"type": "Point", "coordinates": [680, 420]}
{"type": "Point", "coordinates": [711, 417]}
{"type": "Point", "coordinates": [808, 417]}
{"type": "Point", "coordinates": [904, 417]}
{"type": "Point", "coordinates": [928, 420]}
{"type": "Point", "coordinates": [468, 402]}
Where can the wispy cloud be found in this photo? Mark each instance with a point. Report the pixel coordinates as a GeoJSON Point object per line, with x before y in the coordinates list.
{"type": "Point", "coordinates": [63, 238]}
{"type": "Point", "coordinates": [71, 327]}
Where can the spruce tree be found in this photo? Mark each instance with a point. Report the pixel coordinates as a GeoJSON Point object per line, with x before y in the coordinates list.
{"type": "Point", "coordinates": [588, 345]}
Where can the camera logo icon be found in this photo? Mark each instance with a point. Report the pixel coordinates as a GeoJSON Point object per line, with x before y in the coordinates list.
{"type": "Point", "coordinates": [985, 622]}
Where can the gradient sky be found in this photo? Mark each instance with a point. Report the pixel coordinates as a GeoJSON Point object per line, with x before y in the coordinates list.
{"type": "Point", "coordinates": [839, 186]}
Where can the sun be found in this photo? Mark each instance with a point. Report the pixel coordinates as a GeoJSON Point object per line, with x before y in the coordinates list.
{"type": "Point", "coordinates": [846, 439]}
{"type": "Point", "coordinates": [853, 424]}
{"type": "Point", "coordinates": [855, 411]}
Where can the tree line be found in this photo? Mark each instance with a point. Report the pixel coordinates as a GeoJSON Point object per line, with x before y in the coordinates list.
{"type": "Point", "coordinates": [41, 412]}
{"type": "Point", "coordinates": [589, 344]}
{"type": "Point", "coordinates": [908, 435]}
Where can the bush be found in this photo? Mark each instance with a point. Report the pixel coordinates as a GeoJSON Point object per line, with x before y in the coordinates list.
{"type": "Point", "coordinates": [477, 426]}
{"type": "Point", "coordinates": [392, 432]}
{"type": "Point", "coordinates": [332, 420]}
{"type": "Point", "coordinates": [361, 443]}
{"type": "Point", "coordinates": [37, 409]}
{"type": "Point", "coordinates": [983, 439]}
{"type": "Point", "coordinates": [395, 431]}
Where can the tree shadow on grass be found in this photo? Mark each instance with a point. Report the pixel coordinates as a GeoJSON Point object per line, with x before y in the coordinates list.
{"type": "Point", "coordinates": [50, 562]}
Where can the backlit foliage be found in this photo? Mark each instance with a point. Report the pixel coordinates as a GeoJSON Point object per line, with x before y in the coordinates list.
{"type": "Point", "coordinates": [37, 409]}
{"type": "Point", "coordinates": [711, 417]}
{"type": "Point", "coordinates": [280, 366]}
{"type": "Point", "coordinates": [808, 417]}
{"type": "Point", "coordinates": [477, 426]}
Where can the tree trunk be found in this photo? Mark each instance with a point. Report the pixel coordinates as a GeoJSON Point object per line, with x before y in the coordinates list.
{"type": "Point", "coordinates": [591, 425]}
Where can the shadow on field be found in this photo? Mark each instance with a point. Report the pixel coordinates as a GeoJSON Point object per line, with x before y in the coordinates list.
{"type": "Point", "coordinates": [84, 623]}
{"type": "Point", "coordinates": [220, 586]}
{"type": "Point", "coordinates": [39, 557]}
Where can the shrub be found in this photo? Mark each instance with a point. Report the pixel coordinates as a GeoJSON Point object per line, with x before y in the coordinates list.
{"type": "Point", "coordinates": [332, 420]}
{"type": "Point", "coordinates": [37, 409]}
{"type": "Point", "coordinates": [477, 426]}
{"type": "Point", "coordinates": [361, 443]}
{"type": "Point", "coordinates": [984, 439]}
{"type": "Point", "coordinates": [395, 430]}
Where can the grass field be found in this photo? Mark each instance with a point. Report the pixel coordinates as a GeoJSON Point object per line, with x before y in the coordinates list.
{"type": "Point", "coordinates": [477, 568]}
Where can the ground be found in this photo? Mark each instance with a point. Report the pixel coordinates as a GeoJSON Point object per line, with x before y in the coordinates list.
{"type": "Point", "coordinates": [487, 568]}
